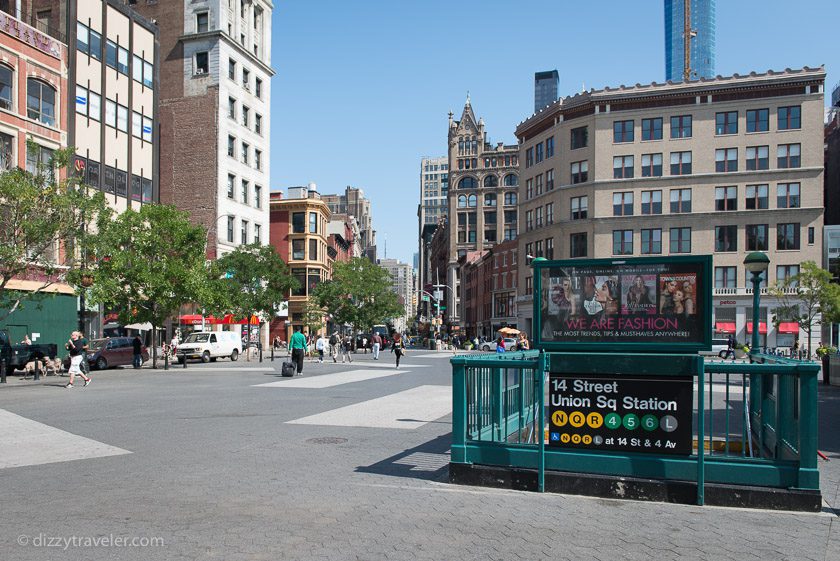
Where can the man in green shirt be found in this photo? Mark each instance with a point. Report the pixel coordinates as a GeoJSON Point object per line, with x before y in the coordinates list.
{"type": "Point", "coordinates": [297, 345]}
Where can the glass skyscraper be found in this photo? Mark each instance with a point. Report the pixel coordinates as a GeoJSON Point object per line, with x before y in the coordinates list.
{"type": "Point", "coordinates": [702, 45]}
{"type": "Point", "coordinates": [545, 88]}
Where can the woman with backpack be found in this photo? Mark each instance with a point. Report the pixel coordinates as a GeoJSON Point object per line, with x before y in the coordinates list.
{"type": "Point", "coordinates": [398, 347]}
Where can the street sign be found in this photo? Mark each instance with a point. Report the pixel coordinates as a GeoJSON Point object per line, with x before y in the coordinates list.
{"type": "Point", "coordinates": [438, 295]}
{"type": "Point", "coordinates": [648, 414]}
{"type": "Point", "coordinates": [425, 298]}
{"type": "Point", "coordinates": [442, 307]}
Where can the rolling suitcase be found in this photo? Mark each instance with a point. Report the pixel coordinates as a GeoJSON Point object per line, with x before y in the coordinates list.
{"type": "Point", "coordinates": [288, 369]}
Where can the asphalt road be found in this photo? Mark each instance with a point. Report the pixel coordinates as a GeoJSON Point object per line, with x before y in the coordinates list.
{"type": "Point", "coordinates": [229, 461]}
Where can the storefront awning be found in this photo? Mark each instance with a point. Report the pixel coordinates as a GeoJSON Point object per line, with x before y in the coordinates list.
{"type": "Point", "coordinates": [762, 327]}
{"type": "Point", "coordinates": [725, 327]}
{"type": "Point", "coordinates": [788, 327]}
{"type": "Point", "coordinates": [195, 319]}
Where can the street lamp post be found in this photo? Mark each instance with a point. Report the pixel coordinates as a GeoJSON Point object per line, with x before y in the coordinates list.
{"type": "Point", "coordinates": [756, 263]}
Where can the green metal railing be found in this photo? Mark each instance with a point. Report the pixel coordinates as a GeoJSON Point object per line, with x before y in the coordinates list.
{"type": "Point", "coordinates": [753, 424]}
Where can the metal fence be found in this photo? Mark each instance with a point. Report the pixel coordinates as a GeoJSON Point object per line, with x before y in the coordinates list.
{"type": "Point", "coordinates": [753, 423]}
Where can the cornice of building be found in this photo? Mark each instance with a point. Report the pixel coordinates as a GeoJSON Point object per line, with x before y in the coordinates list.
{"type": "Point", "coordinates": [654, 90]}
{"type": "Point", "coordinates": [221, 35]}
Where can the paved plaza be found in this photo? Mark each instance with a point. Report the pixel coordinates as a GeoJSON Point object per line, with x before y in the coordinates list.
{"type": "Point", "coordinates": [229, 461]}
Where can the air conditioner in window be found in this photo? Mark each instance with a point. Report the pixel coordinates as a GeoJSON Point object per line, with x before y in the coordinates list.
{"type": "Point", "coordinates": [200, 71]}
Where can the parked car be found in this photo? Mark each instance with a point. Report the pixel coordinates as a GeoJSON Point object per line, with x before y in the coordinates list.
{"type": "Point", "coordinates": [16, 356]}
{"type": "Point", "coordinates": [109, 352]}
{"type": "Point", "coordinates": [510, 343]}
{"type": "Point", "coordinates": [719, 347]}
{"type": "Point", "coordinates": [210, 346]}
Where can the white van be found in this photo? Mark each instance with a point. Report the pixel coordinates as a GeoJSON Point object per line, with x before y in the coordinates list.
{"type": "Point", "coordinates": [210, 345]}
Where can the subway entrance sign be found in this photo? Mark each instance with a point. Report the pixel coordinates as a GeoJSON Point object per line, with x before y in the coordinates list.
{"type": "Point", "coordinates": [648, 414]}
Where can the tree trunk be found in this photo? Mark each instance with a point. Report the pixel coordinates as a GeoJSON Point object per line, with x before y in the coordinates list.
{"type": "Point", "coordinates": [810, 328]}
{"type": "Point", "coordinates": [154, 347]}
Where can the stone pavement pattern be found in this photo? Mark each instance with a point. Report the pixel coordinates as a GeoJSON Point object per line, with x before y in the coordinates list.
{"type": "Point", "coordinates": [218, 472]}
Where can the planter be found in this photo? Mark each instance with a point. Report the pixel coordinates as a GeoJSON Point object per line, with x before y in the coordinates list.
{"type": "Point", "coordinates": [833, 377]}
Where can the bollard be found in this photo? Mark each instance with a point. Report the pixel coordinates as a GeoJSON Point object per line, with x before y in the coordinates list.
{"type": "Point", "coordinates": [184, 354]}
{"type": "Point", "coordinates": [37, 374]}
{"type": "Point", "coordinates": [272, 353]}
{"type": "Point", "coordinates": [260, 353]}
{"type": "Point", "coordinates": [2, 371]}
{"type": "Point", "coordinates": [166, 361]}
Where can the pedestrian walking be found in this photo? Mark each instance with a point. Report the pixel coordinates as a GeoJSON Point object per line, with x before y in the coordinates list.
{"type": "Point", "coordinates": [85, 365]}
{"type": "Point", "coordinates": [398, 347]}
{"type": "Point", "coordinates": [334, 342]}
{"type": "Point", "coordinates": [297, 346]}
{"type": "Point", "coordinates": [365, 344]}
{"type": "Point", "coordinates": [524, 344]}
{"type": "Point", "coordinates": [500, 345]}
{"type": "Point", "coordinates": [74, 345]}
{"type": "Point", "coordinates": [137, 347]}
{"type": "Point", "coordinates": [319, 346]}
{"type": "Point", "coordinates": [346, 347]}
{"type": "Point", "coordinates": [377, 344]}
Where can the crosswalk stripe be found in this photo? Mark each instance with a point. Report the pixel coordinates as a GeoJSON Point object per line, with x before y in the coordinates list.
{"type": "Point", "coordinates": [390, 364]}
{"type": "Point", "coordinates": [408, 409]}
{"type": "Point", "coordinates": [24, 442]}
{"type": "Point", "coordinates": [329, 380]}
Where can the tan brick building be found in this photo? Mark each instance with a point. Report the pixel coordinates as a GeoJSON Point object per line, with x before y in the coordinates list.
{"type": "Point", "coordinates": [722, 166]}
{"type": "Point", "coordinates": [483, 193]}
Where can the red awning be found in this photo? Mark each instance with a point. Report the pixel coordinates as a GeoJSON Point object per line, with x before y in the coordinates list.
{"type": "Point", "coordinates": [788, 327]}
{"type": "Point", "coordinates": [725, 327]}
{"type": "Point", "coordinates": [762, 327]}
{"type": "Point", "coordinates": [230, 320]}
{"type": "Point", "coordinates": [195, 319]}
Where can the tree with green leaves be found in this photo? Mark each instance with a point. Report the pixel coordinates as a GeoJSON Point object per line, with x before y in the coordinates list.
{"type": "Point", "coordinates": [42, 226]}
{"type": "Point", "coordinates": [359, 294]}
{"type": "Point", "coordinates": [808, 298]}
{"type": "Point", "coordinates": [147, 264]}
{"type": "Point", "coordinates": [251, 280]}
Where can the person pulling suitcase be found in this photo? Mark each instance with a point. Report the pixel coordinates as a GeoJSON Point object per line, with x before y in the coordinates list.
{"type": "Point", "coordinates": [297, 345]}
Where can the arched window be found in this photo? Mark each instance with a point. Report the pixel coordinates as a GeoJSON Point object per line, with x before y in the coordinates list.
{"type": "Point", "coordinates": [467, 183]}
{"type": "Point", "coordinates": [472, 201]}
{"type": "Point", "coordinates": [6, 77]}
{"type": "Point", "coordinates": [40, 101]}
{"type": "Point", "coordinates": [511, 180]}
{"type": "Point", "coordinates": [462, 201]}
{"type": "Point", "coordinates": [491, 181]}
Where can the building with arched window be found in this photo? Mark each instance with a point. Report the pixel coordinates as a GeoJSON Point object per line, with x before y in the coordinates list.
{"type": "Point", "coordinates": [484, 181]}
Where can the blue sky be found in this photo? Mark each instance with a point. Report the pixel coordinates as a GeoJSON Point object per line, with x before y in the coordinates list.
{"type": "Point", "coordinates": [363, 88]}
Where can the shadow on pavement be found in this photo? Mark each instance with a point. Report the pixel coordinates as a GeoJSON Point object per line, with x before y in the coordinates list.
{"type": "Point", "coordinates": [428, 461]}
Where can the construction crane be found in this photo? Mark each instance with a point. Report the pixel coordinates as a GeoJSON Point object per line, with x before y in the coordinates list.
{"type": "Point", "coordinates": [688, 33]}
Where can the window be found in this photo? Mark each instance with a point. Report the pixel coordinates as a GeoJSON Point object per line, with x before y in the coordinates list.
{"type": "Point", "coordinates": [232, 69]}
{"type": "Point", "coordinates": [539, 217]}
{"type": "Point", "coordinates": [258, 123]}
{"type": "Point", "coordinates": [758, 120]}
{"type": "Point", "coordinates": [313, 250]}
{"type": "Point", "coordinates": [231, 186]}
{"type": "Point", "coordinates": [258, 88]}
{"type": "Point", "coordinates": [491, 181]}
{"type": "Point", "coordinates": [680, 240]}
{"type": "Point", "coordinates": [7, 154]}
{"type": "Point", "coordinates": [539, 152]}
{"type": "Point", "coordinates": [122, 118]}
{"type": "Point", "coordinates": [726, 277]}
{"type": "Point", "coordinates": [623, 204]}
{"type": "Point", "coordinates": [651, 202]}
{"type": "Point", "coordinates": [539, 185]}
{"type": "Point", "coordinates": [81, 96]}
{"type": "Point", "coordinates": [202, 22]}
{"type": "Point", "coordinates": [490, 200]}
{"type": "Point", "coordinates": [652, 129]}
{"type": "Point", "coordinates": [529, 189]}
{"type": "Point", "coordinates": [622, 131]}
{"type": "Point", "coordinates": [680, 200]}
{"type": "Point", "coordinates": [652, 241]}
{"type": "Point", "coordinates": [298, 250]}
{"type": "Point", "coordinates": [549, 214]}
{"type": "Point", "coordinates": [756, 237]}
{"type": "Point", "coordinates": [472, 201]}
{"type": "Point", "coordinates": [510, 234]}
{"type": "Point", "coordinates": [681, 126]}
{"type": "Point", "coordinates": [82, 40]}
{"type": "Point", "coordinates": [726, 198]}
{"type": "Point", "coordinates": [651, 165]}
{"type": "Point", "coordinates": [622, 167]}
{"type": "Point", "coordinates": [788, 155]}
{"type": "Point", "coordinates": [245, 149]}
{"type": "Point", "coordinates": [511, 180]}
{"type": "Point", "coordinates": [36, 157]}
{"type": "Point", "coordinates": [40, 101]}
{"type": "Point", "coordinates": [811, 234]}
{"type": "Point", "coordinates": [111, 54]}
{"type": "Point", "coordinates": [231, 146]}
{"type": "Point", "coordinates": [680, 163]}
{"type": "Point", "coordinates": [787, 236]}
{"type": "Point", "coordinates": [257, 233]}
{"type": "Point", "coordinates": [510, 217]}
{"type": "Point", "coordinates": [258, 196]}
{"type": "Point", "coordinates": [232, 108]}
{"type": "Point", "coordinates": [510, 198]}
{"type": "Point", "coordinates": [148, 74]}
{"type": "Point", "coordinates": [726, 159]}
{"type": "Point", "coordinates": [298, 222]}
{"type": "Point", "coordinates": [549, 248]}
{"type": "Point", "coordinates": [787, 195]}
{"type": "Point", "coordinates": [758, 158]}
{"type": "Point", "coordinates": [580, 172]}
{"type": "Point", "coordinates": [462, 201]}
{"type": "Point", "coordinates": [467, 183]}
{"type": "Point", "coordinates": [529, 157]}
{"type": "Point", "coordinates": [726, 238]}
{"type": "Point", "coordinates": [246, 79]}
{"type": "Point", "coordinates": [490, 219]}
{"type": "Point", "coordinates": [579, 207]}
{"type": "Point", "coordinates": [790, 118]}
{"type": "Point", "coordinates": [490, 235]}
{"type": "Point", "coordinates": [136, 124]}
{"type": "Point", "coordinates": [110, 113]}
{"type": "Point", "coordinates": [549, 147]}
{"type": "Point", "coordinates": [6, 86]}
{"type": "Point", "coordinates": [246, 115]}
{"type": "Point", "coordinates": [580, 138]}
{"type": "Point", "coordinates": [529, 220]}
{"type": "Point", "coordinates": [245, 191]}
{"type": "Point", "coordinates": [313, 222]}
{"type": "Point", "coordinates": [549, 180]}
{"type": "Point", "coordinates": [784, 274]}
{"type": "Point", "coordinates": [622, 242]}
{"type": "Point", "coordinates": [202, 63]}
{"type": "Point", "coordinates": [756, 197]}
{"type": "Point", "coordinates": [577, 243]}
{"type": "Point", "coordinates": [94, 106]}
{"type": "Point", "coordinates": [122, 61]}
{"type": "Point", "coordinates": [726, 123]}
